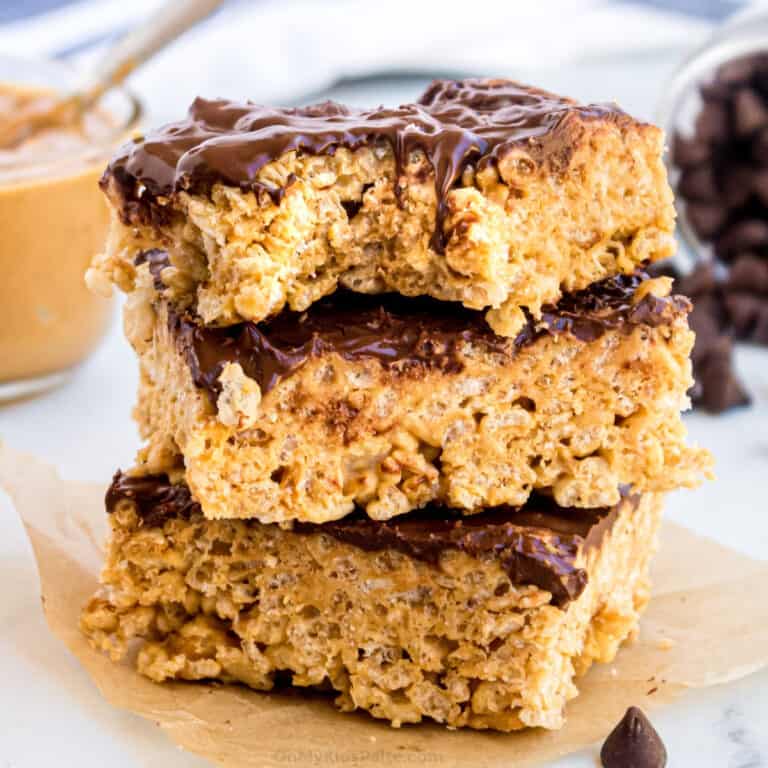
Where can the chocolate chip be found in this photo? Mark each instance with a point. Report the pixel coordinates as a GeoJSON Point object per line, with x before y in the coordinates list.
{"type": "Point", "coordinates": [701, 281]}
{"type": "Point", "coordinates": [737, 185]}
{"type": "Point", "coordinates": [749, 112]}
{"type": "Point", "coordinates": [737, 71]}
{"type": "Point", "coordinates": [717, 388]}
{"type": "Point", "coordinates": [715, 91]}
{"type": "Point", "coordinates": [760, 186]}
{"type": "Point", "coordinates": [707, 321]}
{"type": "Point", "coordinates": [748, 314]}
{"type": "Point", "coordinates": [706, 219]}
{"type": "Point", "coordinates": [743, 236]}
{"type": "Point", "coordinates": [760, 148]}
{"type": "Point", "coordinates": [748, 273]}
{"type": "Point", "coordinates": [687, 153]}
{"type": "Point", "coordinates": [724, 164]}
{"type": "Point", "coordinates": [712, 124]}
{"type": "Point", "coordinates": [699, 184]}
{"type": "Point", "coordinates": [634, 743]}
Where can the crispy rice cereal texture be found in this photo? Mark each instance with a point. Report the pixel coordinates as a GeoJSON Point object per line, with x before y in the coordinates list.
{"type": "Point", "coordinates": [402, 639]}
{"type": "Point", "coordinates": [576, 417]}
{"type": "Point", "coordinates": [518, 235]}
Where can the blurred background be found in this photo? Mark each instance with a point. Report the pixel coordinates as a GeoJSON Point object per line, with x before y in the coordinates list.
{"type": "Point", "coordinates": [288, 51]}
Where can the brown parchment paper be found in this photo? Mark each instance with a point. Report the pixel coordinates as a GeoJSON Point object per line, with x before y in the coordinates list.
{"type": "Point", "coordinates": [706, 624]}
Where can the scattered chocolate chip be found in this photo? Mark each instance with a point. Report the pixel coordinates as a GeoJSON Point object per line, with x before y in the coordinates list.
{"type": "Point", "coordinates": [716, 387]}
{"type": "Point", "coordinates": [634, 743]}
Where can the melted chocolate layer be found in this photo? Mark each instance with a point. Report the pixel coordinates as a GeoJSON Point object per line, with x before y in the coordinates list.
{"type": "Point", "coordinates": [537, 544]}
{"type": "Point", "coordinates": [402, 333]}
{"type": "Point", "coordinates": [455, 123]}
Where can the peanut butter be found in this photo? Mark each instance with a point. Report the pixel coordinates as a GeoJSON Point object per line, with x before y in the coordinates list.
{"type": "Point", "coordinates": [53, 219]}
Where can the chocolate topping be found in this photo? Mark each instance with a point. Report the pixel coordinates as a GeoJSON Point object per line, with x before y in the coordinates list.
{"type": "Point", "coordinates": [537, 544]}
{"type": "Point", "coordinates": [158, 261]}
{"type": "Point", "coordinates": [455, 123]}
{"type": "Point", "coordinates": [634, 743]}
{"type": "Point", "coordinates": [156, 499]}
{"type": "Point", "coordinates": [403, 332]}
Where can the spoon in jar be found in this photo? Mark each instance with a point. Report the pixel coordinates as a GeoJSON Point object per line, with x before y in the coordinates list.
{"type": "Point", "coordinates": [130, 52]}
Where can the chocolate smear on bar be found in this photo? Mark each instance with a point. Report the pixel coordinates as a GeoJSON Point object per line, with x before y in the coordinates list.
{"type": "Point", "coordinates": [538, 543]}
{"type": "Point", "coordinates": [401, 332]}
{"type": "Point", "coordinates": [456, 123]}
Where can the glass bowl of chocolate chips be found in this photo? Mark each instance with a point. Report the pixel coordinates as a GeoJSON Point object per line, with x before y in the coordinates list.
{"type": "Point", "coordinates": [715, 112]}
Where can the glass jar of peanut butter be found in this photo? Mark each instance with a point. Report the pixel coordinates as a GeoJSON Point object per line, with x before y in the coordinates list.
{"type": "Point", "coordinates": [53, 219]}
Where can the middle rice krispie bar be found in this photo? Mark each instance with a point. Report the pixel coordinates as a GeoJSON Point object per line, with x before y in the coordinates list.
{"type": "Point", "coordinates": [481, 622]}
{"type": "Point", "coordinates": [389, 403]}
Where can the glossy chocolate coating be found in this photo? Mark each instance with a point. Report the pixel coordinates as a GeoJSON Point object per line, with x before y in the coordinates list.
{"type": "Point", "coordinates": [537, 544]}
{"type": "Point", "coordinates": [403, 332]}
{"type": "Point", "coordinates": [455, 123]}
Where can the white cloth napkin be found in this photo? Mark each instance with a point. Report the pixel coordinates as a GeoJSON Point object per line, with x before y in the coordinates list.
{"type": "Point", "coordinates": [280, 51]}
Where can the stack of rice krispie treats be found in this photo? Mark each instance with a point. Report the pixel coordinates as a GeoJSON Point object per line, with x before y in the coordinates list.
{"type": "Point", "coordinates": [410, 400]}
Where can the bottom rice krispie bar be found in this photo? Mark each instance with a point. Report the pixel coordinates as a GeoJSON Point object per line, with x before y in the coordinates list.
{"type": "Point", "coordinates": [481, 622]}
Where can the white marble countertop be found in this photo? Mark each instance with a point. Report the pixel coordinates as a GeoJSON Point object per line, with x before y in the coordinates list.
{"type": "Point", "coordinates": [53, 715]}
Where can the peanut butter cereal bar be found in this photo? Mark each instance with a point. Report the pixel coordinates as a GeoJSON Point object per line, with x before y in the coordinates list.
{"type": "Point", "coordinates": [388, 403]}
{"type": "Point", "coordinates": [484, 192]}
{"type": "Point", "coordinates": [482, 622]}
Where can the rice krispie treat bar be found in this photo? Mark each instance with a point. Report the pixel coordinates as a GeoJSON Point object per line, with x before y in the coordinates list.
{"type": "Point", "coordinates": [388, 403]}
{"type": "Point", "coordinates": [481, 622]}
{"type": "Point", "coordinates": [485, 192]}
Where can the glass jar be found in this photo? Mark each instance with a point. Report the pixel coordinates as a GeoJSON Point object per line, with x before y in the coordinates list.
{"type": "Point", "coordinates": [744, 34]}
{"type": "Point", "coordinates": [53, 219]}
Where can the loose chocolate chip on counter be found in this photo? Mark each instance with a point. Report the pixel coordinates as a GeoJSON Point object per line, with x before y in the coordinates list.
{"type": "Point", "coordinates": [634, 743]}
{"type": "Point", "coordinates": [716, 387]}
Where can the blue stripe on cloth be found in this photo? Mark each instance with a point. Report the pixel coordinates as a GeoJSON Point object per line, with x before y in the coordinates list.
{"type": "Point", "coordinates": [714, 10]}
{"type": "Point", "coordinates": [12, 10]}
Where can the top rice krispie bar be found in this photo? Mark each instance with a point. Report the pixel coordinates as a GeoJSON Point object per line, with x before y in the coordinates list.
{"type": "Point", "coordinates": [485, 192]}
